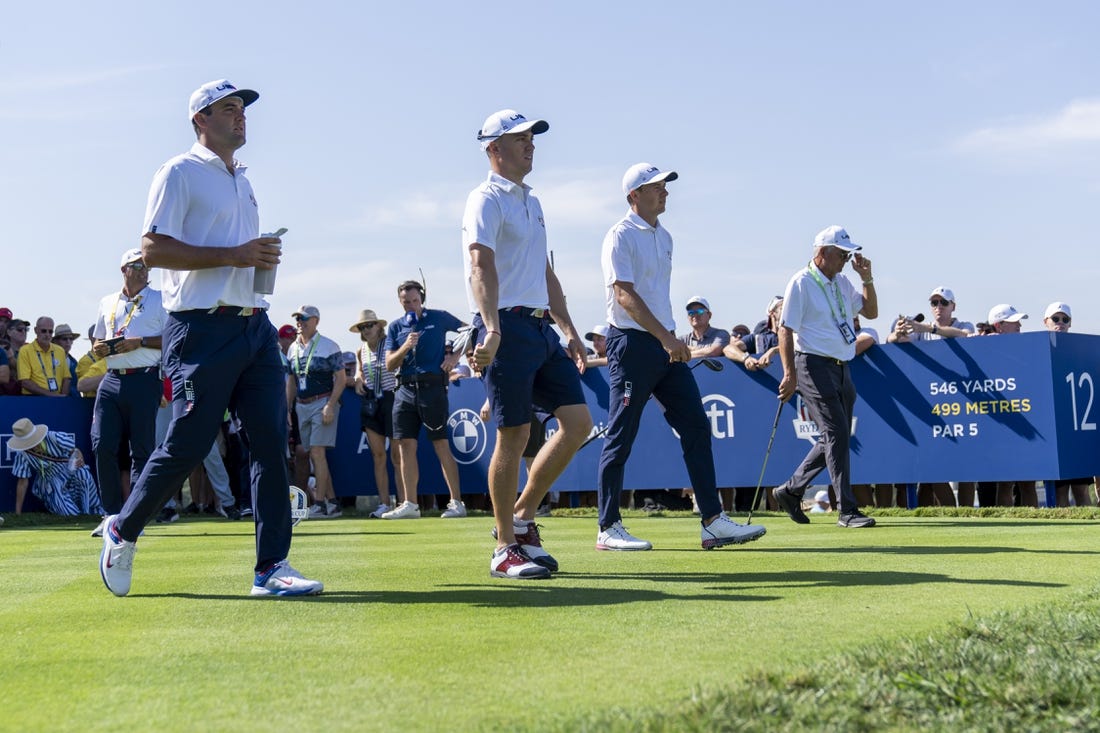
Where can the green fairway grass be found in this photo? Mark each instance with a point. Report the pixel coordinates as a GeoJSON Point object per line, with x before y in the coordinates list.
{"type": "Point", "coordinates": [411, 633]}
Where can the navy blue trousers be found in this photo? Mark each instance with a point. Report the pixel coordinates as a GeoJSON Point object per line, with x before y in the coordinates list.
{"type": "Point", "coordinates": [638, 366]}
{"type": "Point", "coordinates": [217, 362]}
{"type": "Point", "coordinates": [125, 408]}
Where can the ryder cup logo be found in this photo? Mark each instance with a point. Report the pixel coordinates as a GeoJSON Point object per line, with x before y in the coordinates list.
{"type": "Point", "coordinates": [468, 436]}
{"type": "Point", "coordinates": [804, 425]}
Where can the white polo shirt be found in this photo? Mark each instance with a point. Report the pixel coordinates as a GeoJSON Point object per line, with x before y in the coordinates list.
{"type": "Point", "coordinates": [142, 315]}
{"type": "Point", "coordinates": [505, 217]}
{"type": "Point", "coordinates": [812, 311]}
{"type": "Point", "coordinates": [637, 253]}
{"type": "Point", "coordinates": [195, 199]}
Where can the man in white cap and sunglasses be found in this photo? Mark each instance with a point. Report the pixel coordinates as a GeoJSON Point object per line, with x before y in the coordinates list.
{"type": "Point", "coordinates": [817, 339]}
{"type": "Point", "coordinates": [645, 358]}
{"type": "Point", "coordinates": [127, 334]}
{"type": "Point", "coordinates": [220, 350]}
{"type": "Point", "coordinates": [516, 297]}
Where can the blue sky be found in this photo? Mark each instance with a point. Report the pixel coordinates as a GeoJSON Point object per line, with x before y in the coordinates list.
{"type": "Point", "coordinates": [958, 142]}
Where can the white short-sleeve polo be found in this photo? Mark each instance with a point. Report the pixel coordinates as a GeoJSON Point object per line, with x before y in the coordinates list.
{"type": "Point", "coordinates": [195, 199]}
{"type": "Point", "coordinates": [507, 218]}
{"type": "Point", "coordinates": [812, 311]}
{"type": "Point", "coordinates": [142, 315]}
{"type": "Point", "coordinates": [637, 253]}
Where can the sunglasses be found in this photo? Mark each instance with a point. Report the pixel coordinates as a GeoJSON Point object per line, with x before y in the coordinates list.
{"type": "Point", "coordinates": [937, 303]}
{"type": "Point", "coordinates": [696, 311]}
{"type": "Point", "coordinates": [66, 338]}
{"type": "Point", "coordinates": [1060, 319]}
{"type": "Point", "coordinates": [368, 326]}
{"type": "Point", "coordinates": [136, 265]}
{"type": "Point", "coordinates": [44, 330]}
{"type": "Point", "coordinates": [20, 329]}
{"type": "Point", "coordinates": [299, 319]}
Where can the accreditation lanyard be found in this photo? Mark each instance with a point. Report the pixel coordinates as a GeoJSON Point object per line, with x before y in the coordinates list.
{"type": "Point", "coordinates": [842, 321]}
{"type": "Point", "coordinates": [129, 316]}
{"type": "Point", "coordinates": [374, 373]}
{"type": "Point", "coordinates": [303, 375]}
{"type": "Point", "coordinates": [51, 380]}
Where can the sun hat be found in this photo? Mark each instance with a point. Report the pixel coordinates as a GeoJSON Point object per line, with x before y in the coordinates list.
{"type": "Point", "coordinates": [366, 317]}
{"type": "Point", "coordinates": [26, 435]}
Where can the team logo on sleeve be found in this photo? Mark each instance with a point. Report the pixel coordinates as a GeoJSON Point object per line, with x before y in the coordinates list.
{"type": "Point", "coordinates": [468, 435]}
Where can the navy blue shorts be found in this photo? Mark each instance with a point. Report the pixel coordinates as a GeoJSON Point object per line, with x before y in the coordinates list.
{"type": "Point", "coordinates": [531, 369]}
{"type": "Point", "coordinates": [420, 404]}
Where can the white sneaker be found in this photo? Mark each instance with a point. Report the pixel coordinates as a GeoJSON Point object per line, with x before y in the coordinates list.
{"type": "Point", "coordinates": [332, 510]}
{"type": "Point", "coordinates": [512, 562]}
{"type": "Point", "coordinates": [377, 513]}
{"type": "Point", "coordinates": [455, 509]}
{"type": "Point", "coordinates": [116, 562]}
{"type": "Point", "coordinates": [724, 531]}
{"type": "Point", "coordinates": [283, 580]}
{"type": "Point", "coordinates": [405, 510]}
{"type": "Point", "coordinates": [317, 511]}
{"type": "Point", "coordinates": [616, 537]}
{"type": "Point", "coordinates": [97, 532]}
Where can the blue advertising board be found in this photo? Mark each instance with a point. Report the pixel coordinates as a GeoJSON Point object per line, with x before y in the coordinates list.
{"type": "Point", "coordinates": [1011, 407]}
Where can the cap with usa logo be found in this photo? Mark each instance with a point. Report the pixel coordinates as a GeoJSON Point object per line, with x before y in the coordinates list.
{"type": "Point", "coordinates": [508, 122]}
{"type": "Point", "coordinates": [212, 91]}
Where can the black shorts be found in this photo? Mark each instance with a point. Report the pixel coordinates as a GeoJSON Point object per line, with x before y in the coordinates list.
{"type": "Point", "coordinates": [424, 403]}
{"type": "Point", "coordinates": [381, 421]}
{"type": "Point", "coordinates": [537, 438]}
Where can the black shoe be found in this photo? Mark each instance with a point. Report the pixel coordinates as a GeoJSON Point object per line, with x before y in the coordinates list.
{"type": "Point", "coordinates": [192, 508]}
{"type": "Point", "coordinates": [855, 520]}
{"type": "Point", "coordinates": [790, 503]}
{"type": "Point", "coordinates": [167, 515]}
{"type": "Point", "coordinates": [233, 513]}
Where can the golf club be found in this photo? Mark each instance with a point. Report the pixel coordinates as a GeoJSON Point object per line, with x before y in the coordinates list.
{"type": "Point", "coordinates": [713, 364]}
{"type": "Point", "coordinates": [768, 452]}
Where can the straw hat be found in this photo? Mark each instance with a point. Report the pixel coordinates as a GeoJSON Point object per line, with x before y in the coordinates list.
{"type": "Point", "coordinates": [366, 317]}
{"type": "Point", "coordinates": [26, 435]}
{"type": "Point", "coordinates": [64, 330]}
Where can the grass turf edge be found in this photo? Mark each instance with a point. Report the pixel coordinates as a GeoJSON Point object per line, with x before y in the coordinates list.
{"type": "Point", "coordinates": [1035, 669]}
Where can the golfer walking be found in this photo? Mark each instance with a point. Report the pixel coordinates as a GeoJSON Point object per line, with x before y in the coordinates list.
{"type": "Point", "coordinates": [645, 358]}
{"type": "Point", "coordinates": [220, 349]}
{"type": "Point", "coordinates": [817, 339]}
{"type": "Point", "coordinates": [515, 294]}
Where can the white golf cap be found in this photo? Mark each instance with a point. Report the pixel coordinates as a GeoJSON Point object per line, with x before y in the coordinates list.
{"type": "Point", "coordinates": [212, 91]}
{"type": "Point", "coordinates": [640, 174]}
{"type": "Point", "coordinates": [1005, 312]}
{"type": "Point", "coordinates": [835, 236]}
{"type": "Point", "coordinates": [1057, 307]}
{"type": "Point", "coordinates": [822, 496]}
{"type": "Point", "coordinates": [130, 256]}
{"type": "Point", "coordinates": [508, 121]}
{"type": "Point", "coordinates": [307, 311]}
{"type": "Point", "coordinates": [600, 330]}
{"type": "Point", "coordinates": [698, 299]}
{"type": "Point", "coordinates": [945, 293]}
{"type": "Point", "coordinates": [776, 300]}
